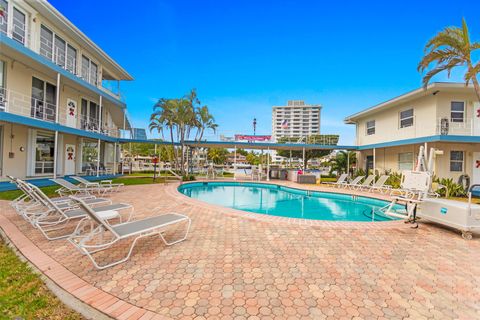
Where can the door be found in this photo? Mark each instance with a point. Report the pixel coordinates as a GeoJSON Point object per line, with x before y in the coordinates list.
{"type": "Point", "coordinates": [70, 154]}
{"type": "Point", "coordinates": [369, 164]}
{"type": "Point", "coordinates": [71, 113]}
{"type": "Point", "coordinates": [44, 97]}
{"type": "Point", "coordinates": [476, 118]}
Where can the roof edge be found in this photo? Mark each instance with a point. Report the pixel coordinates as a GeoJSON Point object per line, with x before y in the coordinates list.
{"type": "Point", "coordinates": [434, 85]}
{"type": "Point", "coordinates": [49, 7]}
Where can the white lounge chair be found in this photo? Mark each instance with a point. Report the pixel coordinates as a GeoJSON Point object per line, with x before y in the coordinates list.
{"type": "Point", "coordinates": [366, 184]}
{"type": "Point", "coordinates": [68, 188]}
{"type": "Point", "coordinates": [354, 183]}
{"type": "Point", "coordinates": [380, 185]}
{"type": "Point", "coordinates": [102, 236]}
{"type": "Point", "coordinates": [99, 184]}
{"type": "Point", "coordinates": [342, 180]}
{"type": "Point", "coordinates": [56, 218]}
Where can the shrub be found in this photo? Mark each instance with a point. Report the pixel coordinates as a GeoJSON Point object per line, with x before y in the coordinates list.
{"type": "Point", "coordinates": [450, 188]}
{"type": "Point", "coordinates": [188, 178]}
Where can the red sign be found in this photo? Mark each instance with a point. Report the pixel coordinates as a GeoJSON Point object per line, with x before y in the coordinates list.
{"type": "Point", "coordinates": [477, 164]}
{"type": "Point", "coordinates": [252, 138]}
{"type": "Point", "coordinates": [155, 160]}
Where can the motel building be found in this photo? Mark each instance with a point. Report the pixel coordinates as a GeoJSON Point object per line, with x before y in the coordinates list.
{"type": "Point", "coordinates": [61, 112]}
{"type": "Point", "coordinates": [444, 116]}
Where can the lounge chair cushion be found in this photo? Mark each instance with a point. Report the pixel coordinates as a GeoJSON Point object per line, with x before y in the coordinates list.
{"type": "Point", "coordinates": [147, 224]}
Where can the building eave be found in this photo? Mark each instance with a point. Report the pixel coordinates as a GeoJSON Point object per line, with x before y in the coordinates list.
{"type": "Point", "coordinates": [49, 11]}
{"type": "Point", "coordinates": [430, 89]}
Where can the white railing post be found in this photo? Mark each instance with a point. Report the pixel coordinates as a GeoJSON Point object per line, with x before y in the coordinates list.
{"type": "Point", "coordinates": [235, 163]}
{"type": "Point", "coordinates": [98, 158]}
{"type": "Point", "coordinates": [114, 158]}
{"type": "Point", "coordinates": [100, 116]}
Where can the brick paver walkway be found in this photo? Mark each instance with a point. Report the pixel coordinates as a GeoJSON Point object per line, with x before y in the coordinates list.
{"type": "Point", "coordinates": [247, 266]}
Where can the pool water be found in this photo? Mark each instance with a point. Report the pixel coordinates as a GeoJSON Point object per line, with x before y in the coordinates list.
{"type": "Point", "coordinates": [286, 202]}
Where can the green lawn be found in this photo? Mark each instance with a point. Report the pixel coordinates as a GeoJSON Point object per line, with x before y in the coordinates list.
{"type": "Point", "coordinates": [50, 191]}
{"type": "Point", "coordinates": [23, 295]}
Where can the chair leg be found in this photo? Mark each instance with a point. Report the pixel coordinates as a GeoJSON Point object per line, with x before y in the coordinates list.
{"type": "Point", "coordinates": [179, 240]}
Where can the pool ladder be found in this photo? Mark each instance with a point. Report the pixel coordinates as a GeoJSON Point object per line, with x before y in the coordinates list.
{"type": "Point", "coordinates": [354, 197]}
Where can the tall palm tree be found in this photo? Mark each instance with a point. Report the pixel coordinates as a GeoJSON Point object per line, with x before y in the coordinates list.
{"type": "Point", "coordinates": [164, 118]}
{"type": "Point", "coordinates": [448, 49]}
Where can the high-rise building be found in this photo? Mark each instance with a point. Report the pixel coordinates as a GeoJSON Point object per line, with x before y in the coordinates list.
{"type": "Point", "coordinates": [295, 120]}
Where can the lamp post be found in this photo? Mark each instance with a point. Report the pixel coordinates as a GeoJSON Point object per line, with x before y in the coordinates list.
{"type": "Point", "coordinates": [254, 126]}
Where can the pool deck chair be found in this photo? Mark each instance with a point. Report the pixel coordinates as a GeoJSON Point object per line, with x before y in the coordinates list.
{"type": "Point", "coordinates": [380, 185]}
{"type": "Point", "coordinates": [355, 183]}
{"type": "Point", "coordinates": [366, 184]}
{"type": "Point", "coordinates": [113, 187]}
{"type": "Point", "coordinates": [56, 218]}
{"type": "Point", "coordinates": [68, 188]}
{"type": "Point", "coordinates": [88, 243]}
{"type": "Point", "coordinates": [342, 180]}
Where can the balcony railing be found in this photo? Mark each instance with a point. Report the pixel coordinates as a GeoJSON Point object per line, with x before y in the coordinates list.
{"type": "Point", "coordinates": [28, 106]}
{"type": "Point", "coordinates": [446, 126]}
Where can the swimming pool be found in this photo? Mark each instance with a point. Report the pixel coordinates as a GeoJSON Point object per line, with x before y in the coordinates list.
{"type": "Point", "coordinates": [289, 202]}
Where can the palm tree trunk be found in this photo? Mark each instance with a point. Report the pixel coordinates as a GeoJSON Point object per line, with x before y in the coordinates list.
{"type": "Point", "coordinates": [173, 147]}
{"type": "Point", "coordinates": [476, 85]}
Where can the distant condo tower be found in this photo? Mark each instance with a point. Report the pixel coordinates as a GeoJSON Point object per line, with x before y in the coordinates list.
{"type": "Point", "coordinates": [295, 120]}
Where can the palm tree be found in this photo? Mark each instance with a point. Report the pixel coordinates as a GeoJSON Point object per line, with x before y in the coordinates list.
{"type": "Point", "coordinates": [448, 49]}
{"type": "Point", "coordinates": [339, 164]}
{"type": "Point", "coordinates": [205, 121]}
{"type": "Point", "coordinates": [164, 118]}
{"type": "Point", "coordinates": [217, 155]}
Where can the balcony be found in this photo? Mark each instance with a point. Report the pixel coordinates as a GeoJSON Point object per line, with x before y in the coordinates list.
{"type": "Point", "coordinates": [39, 109]}
{"type": "Point", "coordinates": [446, 126]}
{"type": "Point", "coordinates": [27, 106]}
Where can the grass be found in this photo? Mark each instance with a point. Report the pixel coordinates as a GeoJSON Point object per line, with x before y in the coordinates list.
{"type": "Point", "coordinates": [24, 295]}
{"type": "Point", "coordinates": [50, 191]}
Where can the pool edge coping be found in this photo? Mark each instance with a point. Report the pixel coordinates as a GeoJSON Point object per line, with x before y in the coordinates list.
{"type": "Point", "coordinates": [296, 221]}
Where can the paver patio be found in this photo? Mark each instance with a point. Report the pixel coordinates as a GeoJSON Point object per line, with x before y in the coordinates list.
{"type": "Point", "coordinates": [248, 266]}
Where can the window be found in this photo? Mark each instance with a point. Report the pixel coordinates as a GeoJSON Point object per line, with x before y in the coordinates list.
{"type": "Point", "coordinates": [85, 68]}
{"type": "Point", "coordinates": [54, 48]}
{"type": "Point", "coordinates": [4, 18]}
{"type": "Point", "coordinates": [405, 161]}
{"type": "Point", "coordinates": [457, 113]}
{"type": "Point", "coordinates": [71, 59]}
{"type": "Point", "coordinates": [93, 73]}
{"type": "Point", "coordinates": [89, 71]}
{"type": "Point", "coordinates": [89, 155]}
{"type": "Point", "coordinates": [46, 43]}
{"type": "Point", "coordinates": [406, 118]}
{"type": "Point", "coordinates": [44, 152]}
{"type": "Point", "coordinates": [456, 161]}
{"type": "Point", "coordinates": [370, 127]}
{"type": "Point", "coordinates": [44, 97]}
{"type": "Point", "coordinates": [18, 26]}
{"type": "Point", "coordinates": [59, 52]}
{"type": "Point", "coordinates": [90, 115]}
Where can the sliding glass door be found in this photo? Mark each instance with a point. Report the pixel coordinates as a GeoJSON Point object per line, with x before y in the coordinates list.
{"type": "Point", "coordinates": [44, 97]}
{"type": "Point", "coordinates": [44, 152]}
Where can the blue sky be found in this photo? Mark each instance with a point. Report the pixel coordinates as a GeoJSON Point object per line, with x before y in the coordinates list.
{"type": "Point", "coordinates": [246, 56]}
